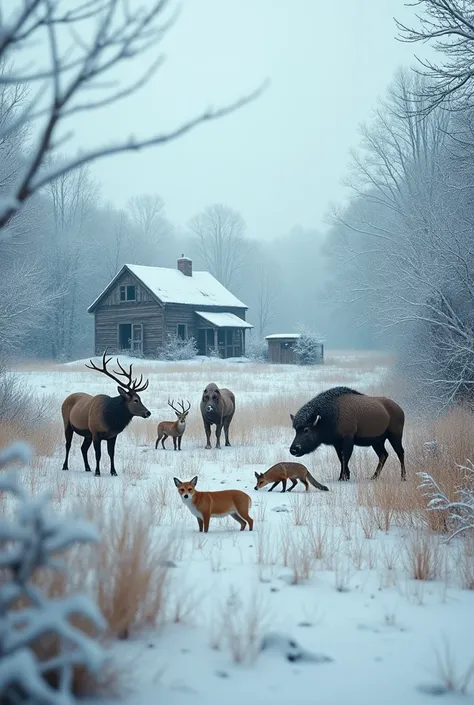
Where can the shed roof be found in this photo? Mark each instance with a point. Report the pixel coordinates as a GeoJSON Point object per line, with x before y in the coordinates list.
{"type": "Point", "coordinates": [283, 336]}
{"type": "Point", "coordinates": [224, 320]}
{"type": "Point", "coordinates": [173, 287]}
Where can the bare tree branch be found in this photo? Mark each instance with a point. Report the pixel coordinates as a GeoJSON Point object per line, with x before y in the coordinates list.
{"type": "Point", "coordinates": [449, 26]}
{"type": "Point", "coordinates": [118, 31]}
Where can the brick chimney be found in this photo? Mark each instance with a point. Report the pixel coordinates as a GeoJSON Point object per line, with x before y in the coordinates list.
{"type": "Point", "coordinates": [185, 265]}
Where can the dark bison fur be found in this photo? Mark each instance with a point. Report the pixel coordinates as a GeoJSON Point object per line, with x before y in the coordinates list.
{"type": "Point", "coordinates": [343, 418]}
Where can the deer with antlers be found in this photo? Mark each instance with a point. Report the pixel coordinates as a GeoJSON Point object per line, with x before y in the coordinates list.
{"type": "Point", "coordinates": [101, 418]}
{"type": "Point", "coordinates": [175, 429]}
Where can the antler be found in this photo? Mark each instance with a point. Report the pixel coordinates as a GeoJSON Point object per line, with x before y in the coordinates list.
{"type": "Point", "coordinates": [185, 411]}
{"type": "Point", "coordinates": [170, 403]}
{"type": "Point", "coordinates": [131, 385]}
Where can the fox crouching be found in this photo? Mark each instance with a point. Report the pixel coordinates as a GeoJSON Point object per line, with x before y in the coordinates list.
{"type": "Point", "coordinates": [282, 472]}
{"type": "Point", "coordinates": [222, 503]}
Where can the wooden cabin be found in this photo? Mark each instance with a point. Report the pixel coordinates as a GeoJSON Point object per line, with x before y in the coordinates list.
{"type": "Point", "coordinates": [142, 306]}
{"type": "Point", "coordinates": [281, 349]}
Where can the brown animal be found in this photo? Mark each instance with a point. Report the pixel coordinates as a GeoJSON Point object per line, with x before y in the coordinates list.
{"type": "Point", "coordinates": [101, 418]}
{"type": "Point", "coordinates": [343, 418]}
{"type": "Point", "coordinates": [222, 503]}
{"type": "Point", "coordinates": [217, 407]}
{"type": "Point", "coordinates": [175, 429]}
{"type": "Point", "coordinates": [281, 472]}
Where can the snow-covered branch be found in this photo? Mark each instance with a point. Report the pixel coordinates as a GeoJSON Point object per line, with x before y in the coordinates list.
{"type": "Point", "coordinates": [28, 543]}
{"type": "Point", "coordinates": [119, 33]}
{"type": "Point", "coordinates": [449, 26]}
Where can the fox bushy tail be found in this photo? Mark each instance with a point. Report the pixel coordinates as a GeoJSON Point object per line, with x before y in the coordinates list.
{"type": "Point", "coordinates": [316, 484]}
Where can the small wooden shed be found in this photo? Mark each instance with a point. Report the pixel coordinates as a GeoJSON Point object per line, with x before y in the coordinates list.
{"type": "Point", "coordinates": [281, 348]}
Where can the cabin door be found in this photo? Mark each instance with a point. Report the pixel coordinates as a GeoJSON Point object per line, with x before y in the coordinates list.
{"type": "Point", "coordinates": [137, 338]}
{"type": "Point", "coordinates": [125, 336]}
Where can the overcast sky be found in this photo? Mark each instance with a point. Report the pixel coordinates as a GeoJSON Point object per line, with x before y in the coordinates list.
{"type": "Point", "coordinates": [279, 161]}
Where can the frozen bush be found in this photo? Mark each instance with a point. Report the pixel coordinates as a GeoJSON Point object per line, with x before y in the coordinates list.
{"type": "Point", "coordinates": [257, 350]}
{"type": "Point", "coordinates": [178, 349]}
{"type": "Point", "coordinates": [308, 348]}
{"type": "Point", "coordinates": [28, 544]}
{"type": "Point", "coordinates": [461, 511]}
{"type": "Point", "coordinates": [18, 403]}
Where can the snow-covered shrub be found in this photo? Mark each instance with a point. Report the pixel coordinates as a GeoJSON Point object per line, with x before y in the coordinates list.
{"type": "Point", "coordinates": [308, 348]}
{"type": "Point", "coordinates": [178, 349]}
{"type": "Point", "coordinates": [461, 511]}
{"type": "Point", "coordinates": [29, 544]}
{"type": "Point", "coordinates": [18, 404]}
{"type": "Point", "coordinates": [257, 350]}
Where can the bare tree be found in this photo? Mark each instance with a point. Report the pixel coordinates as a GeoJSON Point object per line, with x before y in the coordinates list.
{"type": "Point", "coordinates": [267, 297]}
{"type": "Point", "coordinates": [147, 214]}
{"type": "Point", "coordinates": [220, 235]}
{"type": "Point", "coordinates": [449, 25]}
{"type": "Point", "coordinates": [69, 254]}
{"type": "Point", "coordinates": [405, 246]}
{"type": "Point", "coordinates": [116, 246]}
{"type": "Point", "coordinates": [25, 304]}
{"type": "Point", "coordinates": [118, 32]}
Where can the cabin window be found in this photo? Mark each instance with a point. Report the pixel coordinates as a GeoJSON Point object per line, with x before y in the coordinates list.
{"type": "Point", "coordinates": [128, 293]}
{"type": "Point", "coordinates": [182, 332]}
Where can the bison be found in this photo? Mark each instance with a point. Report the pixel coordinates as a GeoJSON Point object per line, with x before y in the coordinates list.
{"type": "Point", "coordinates": [217, 407]}
{"type": "Point", "coordinates": [344, 418]}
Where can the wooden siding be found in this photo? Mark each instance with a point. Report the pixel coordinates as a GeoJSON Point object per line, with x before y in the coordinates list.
{"type": "Point", "coordinates": [281, 352]}
{"type": "Point", "coordinates": [108, 318]}
{"type": "Point", "coordinates": [127, 279]}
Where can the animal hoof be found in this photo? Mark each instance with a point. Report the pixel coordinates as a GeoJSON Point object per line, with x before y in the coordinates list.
{"type": "Point", "coordinates": [208, 447]}
{"type": "Point", "coordinates": [97, 474]}
{"type": "Point", "coordinates": [88, 470]}
{"type": "Point", "coordinates": [228, 445]}
{"type": "Point", "coordinates": [113, 473]}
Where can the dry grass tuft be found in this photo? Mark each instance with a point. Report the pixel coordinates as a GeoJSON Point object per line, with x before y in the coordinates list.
{"type": "Point", "coordinates": [240, 626]}
{"type": "Point", "coordinates": [301, 560]}
{"type": "Point", "coordinates": [423, 555]}
{"type": "Point", "coordinates": [44, 438]}
{"type": "Point", "coordinates": [127, 573]}
{"type": "Point", "coordinates": [453, 680]}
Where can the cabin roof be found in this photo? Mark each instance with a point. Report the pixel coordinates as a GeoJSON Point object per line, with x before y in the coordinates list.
{"type": "Point", "coordinates": [173, 287]}
{"type": "Point", "coordinates": [224, 320]}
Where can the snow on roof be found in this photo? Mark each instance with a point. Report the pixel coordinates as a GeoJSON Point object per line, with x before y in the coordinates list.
{"type": "Point", "coordinates": [290, 336]}
{"type": "Point", "coordinates": [224, 320]}
{"type": "Point", "coordinates": [173, 287]}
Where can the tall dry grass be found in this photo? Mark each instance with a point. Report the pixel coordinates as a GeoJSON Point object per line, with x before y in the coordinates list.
{"type": "Point", "coordinates": [391, 502]}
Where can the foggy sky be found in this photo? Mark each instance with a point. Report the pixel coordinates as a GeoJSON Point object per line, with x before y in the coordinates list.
{"type": "Point", "coordinates": [280, 160]}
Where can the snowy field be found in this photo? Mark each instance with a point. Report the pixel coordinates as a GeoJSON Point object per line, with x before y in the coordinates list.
{"type": "Point", "coordinates": [334, 572]}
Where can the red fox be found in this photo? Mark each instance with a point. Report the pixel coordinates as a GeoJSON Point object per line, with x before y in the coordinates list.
{"type": "Point", "coordinates": [281, 472]}
{"type": "Point", "coordinates": [205, 505]}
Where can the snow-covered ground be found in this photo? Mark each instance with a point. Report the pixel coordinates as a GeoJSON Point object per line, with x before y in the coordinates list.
{"type": "Point", "coordinates": [316, 568]}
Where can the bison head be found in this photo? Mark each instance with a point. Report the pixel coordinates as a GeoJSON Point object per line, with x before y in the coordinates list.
{"type": "Point", "coordinates": [307, 438]}
{"type": "Point", "coordinates": [211, 399]}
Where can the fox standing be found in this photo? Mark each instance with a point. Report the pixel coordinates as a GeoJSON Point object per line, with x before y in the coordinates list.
{"type": "Point", "coordinates": [205, 505]}
{"type": "Point", "coordinates": [281, 472]}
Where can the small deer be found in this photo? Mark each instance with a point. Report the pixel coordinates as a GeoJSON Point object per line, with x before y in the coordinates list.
{"type": "Point", "coordinates": [101, 418]}
{"type": "Point", "coordinates": [175, 429]}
